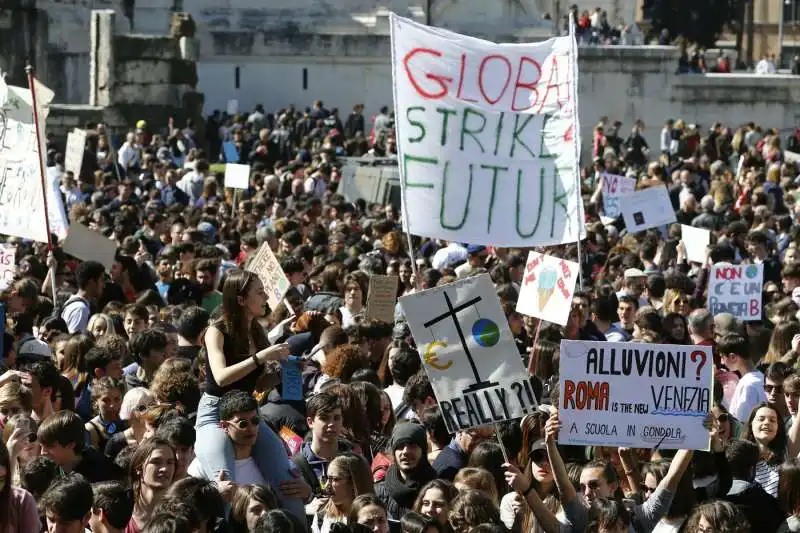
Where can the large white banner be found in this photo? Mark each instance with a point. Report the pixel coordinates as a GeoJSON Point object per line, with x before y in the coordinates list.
{"type": "Point", "coordinates": [469, 354]}
{"type": "Point", "coordinates": [21, 200]}
{"type": "Point", "coordinates": [486, 139]}
{"type": "Point", "coordinates": [634, 395]}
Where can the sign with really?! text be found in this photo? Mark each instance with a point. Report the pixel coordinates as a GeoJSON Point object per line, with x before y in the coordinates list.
{"type": "Point", "coordinates": [469, 354]}
{"type": "Point", "coordinates": [486, 140]}
{"type": "Point", "coordinates": [635, 395]}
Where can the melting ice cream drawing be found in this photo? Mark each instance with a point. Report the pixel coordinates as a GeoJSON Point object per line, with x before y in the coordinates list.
{"type": "Point", "coordinates": [547, 285]}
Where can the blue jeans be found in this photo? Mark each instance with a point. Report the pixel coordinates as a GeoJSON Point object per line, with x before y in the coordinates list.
{"type": "Point", "coordinates": [215, 452]}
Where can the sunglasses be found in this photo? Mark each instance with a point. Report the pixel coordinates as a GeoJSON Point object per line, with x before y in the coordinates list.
{"type": "Point", "coordinates": [591, 485]}
{"type": "Point", "coordinates": [244, 423]}
{"type": "Point", "coordinates": [776, 388]}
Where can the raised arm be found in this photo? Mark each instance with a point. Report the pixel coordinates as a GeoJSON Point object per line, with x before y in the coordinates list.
{"type": "Point", "coordinates": [225, 375]}
{"type": "Point", "coordinates": [525, 488]}
{"type": "Point", "coordinates": [564, 485]}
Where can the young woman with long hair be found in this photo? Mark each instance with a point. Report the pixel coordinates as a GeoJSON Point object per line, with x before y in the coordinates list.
{"type": "Point", "coordinates": [251, 502]}
{"type": "Point", "coordinates": [349, 476]}
{"type": "Point", "coordinates": [18, 512]}
{"type": "Point", "coordinates": [237, 350]}
{"type": "Point", "coordinates": [765, 428]}
{"type": "Point", "coordinates": [434, 500]}
{"type": "Point", "coordinates": [151, 473]}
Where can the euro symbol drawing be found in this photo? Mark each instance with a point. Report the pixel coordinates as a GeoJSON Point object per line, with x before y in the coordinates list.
{"type": "Point", "coordinates": [431, 358]}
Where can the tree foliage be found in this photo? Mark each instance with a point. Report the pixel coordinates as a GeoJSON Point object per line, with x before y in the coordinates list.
{"type": "Point", "coordinates": [698, 21]}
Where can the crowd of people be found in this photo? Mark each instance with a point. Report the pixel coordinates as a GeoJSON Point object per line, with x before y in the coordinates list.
{"type": "Point", "coordinates": [148, 395]}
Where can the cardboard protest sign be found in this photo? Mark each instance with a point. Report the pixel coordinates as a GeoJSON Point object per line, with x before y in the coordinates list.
{"type": "Point", "coordinates": [237, 176]}
{"type": "Point", "coordinates": [230, 151]}
{"type": "Point", "coordinates": [696, 241]}
{"type": "Point", "coordinates": [547, 288]}
{"type": "Point", "coordinates": [634, 395]}
{"type": "Point", "coordinates": [469, 353]}
{"type": "Point", "coordinates": [8, 266]}
{"type": "Point", "coordinates": [736, 289]}
{"type": "Point", "coordinates": [486, 140]}
{"type": "Point", "coordinates": [73, 158]}
{"type": "Point", "coordinates": [291, 380]}
{"type": "Point", "coordinates": [269, 271]}
{"type": "Point", "coordinates": [232, 107]}
{"type": "Point", "coordinates": [88, 245]}
{"type": "Point", "coordinates": [382, 297]}
{"type": "Point", "coordinates": [22, 210]}
{"type": "Point", "coordinates": [648, 208]}
{"type": "Point", "coordinates": [614, 188]}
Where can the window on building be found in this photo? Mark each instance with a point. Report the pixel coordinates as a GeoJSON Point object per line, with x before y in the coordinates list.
{"type": "Point", "coordinates": [791, 11]}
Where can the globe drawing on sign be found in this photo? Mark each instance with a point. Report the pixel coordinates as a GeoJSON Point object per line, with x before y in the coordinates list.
{"type": "Point", "coordinates": [751, 271]}
{"type": "Point", "coordinates": [485, 332]}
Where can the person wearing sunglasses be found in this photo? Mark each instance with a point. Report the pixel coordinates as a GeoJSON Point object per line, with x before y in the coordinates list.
{"type": "Point", "coordinates": [239, 419]}
{"type": "Point", "coordinates": [238, 349]}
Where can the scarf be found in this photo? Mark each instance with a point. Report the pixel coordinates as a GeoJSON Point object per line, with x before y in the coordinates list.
{"type": "Point", "coordinates": [404, 492]}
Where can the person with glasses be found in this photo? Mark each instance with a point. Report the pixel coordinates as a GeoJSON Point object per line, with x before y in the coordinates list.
{"type": "Point", "coordinates": [774, 377]}
{"type": "Point", "coordinates": [349, 476]}
{"type": "Point", "coordinates": [135, 404]}
{"type": "Point", "coordinates": [239, 419]}
{"type": "Point", "coordinates": [455, 455]}
{"type": "Point", "coordinates": [512, 508]}
{"type": "Point", "coordinates": [238, 350]}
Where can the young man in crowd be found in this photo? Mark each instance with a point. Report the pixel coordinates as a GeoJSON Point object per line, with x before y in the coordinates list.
{"type": "Point", "coordinates": [205, 271]}
{"type": "Point", "coordinates": [147, 349]}
{"type": "Point", "coordinates": [455, 455]}
{"type": "Point", "coordinates": [734, 352]}
{"type": "Point", "coordinates": [762, 511]}
{"type": "Point", "coordinates": [112, 507]}
{"type": "Point", "coordinates": [191, 325]}
{"type": "Point", "coordinates": [67, 504]}
{"type": "Point", "coordinates": [90, 277]}
{"type": "Point", "coordinates": [627, 306]}
{"type": "Point", "coordinates": [324, 418]}
{"type": "Point", "coordinates": [42, 380]}
{"type": "Point", "coordinates": [63, 439]}
{"type": "Point", "coordinates": [134, 319]}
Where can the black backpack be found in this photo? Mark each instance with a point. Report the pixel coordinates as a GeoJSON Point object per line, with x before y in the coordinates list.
{"type": "Point", "coordinates": [58, 311]}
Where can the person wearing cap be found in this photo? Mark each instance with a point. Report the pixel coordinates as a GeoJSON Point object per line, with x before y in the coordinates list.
{"type": "Point", "coordinates": [542, 482]}
{"type": "Point", "coordinates": [633, 283]}
{"type": "Point", "coordinates": [476, 259]}
{"type": "Point", "coordinates": [409, 471]}
{"type": "Point", "coordinates": [451, 254]}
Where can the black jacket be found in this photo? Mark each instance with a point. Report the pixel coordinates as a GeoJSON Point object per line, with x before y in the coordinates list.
{"type": "Point", "coordinates": [761, 510]}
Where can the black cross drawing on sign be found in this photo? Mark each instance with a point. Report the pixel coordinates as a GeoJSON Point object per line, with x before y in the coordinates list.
{"type": "Point", "coordinates": [452, 312]}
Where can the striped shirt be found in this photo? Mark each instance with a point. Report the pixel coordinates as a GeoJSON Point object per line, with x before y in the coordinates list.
{"type": "Point", "coordinates": [767, 477]}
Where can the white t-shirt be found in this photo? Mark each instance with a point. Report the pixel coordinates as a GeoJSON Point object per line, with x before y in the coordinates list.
{"type": "Point", "coordinates": [749, 393]}
{"type": "Point", "coordinates": [76, 314]}
{"type": "Point", "coordinates": [245, 471]}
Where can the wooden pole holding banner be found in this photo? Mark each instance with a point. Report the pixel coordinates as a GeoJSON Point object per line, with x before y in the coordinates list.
{"type": "Point", "coordinates": [404, 200]}
{"type": "Point", "coordinates": [576, 132]}
{"type": "Point", "coordinates": [500, 442]}
{"type": "Point", "coordinates": [32, 86]}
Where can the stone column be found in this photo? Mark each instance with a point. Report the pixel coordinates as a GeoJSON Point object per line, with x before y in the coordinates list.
{"type": "Point", "coordinates": [101, 64]}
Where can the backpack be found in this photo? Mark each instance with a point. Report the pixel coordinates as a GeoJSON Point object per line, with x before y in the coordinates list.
{"type": "Point", "coordinates": [58, 311]}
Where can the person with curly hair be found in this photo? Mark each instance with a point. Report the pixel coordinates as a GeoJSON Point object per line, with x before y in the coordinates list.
{"type": "Point", "coordinates": [340, 364]}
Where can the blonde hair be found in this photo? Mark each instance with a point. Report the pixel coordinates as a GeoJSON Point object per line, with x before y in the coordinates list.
{"type": "Point", "coordinates": [670, 297]}
{"type": "Point", "coordinates": [478, 479]}
{"type": "Point", "coordinates": [101, 317]}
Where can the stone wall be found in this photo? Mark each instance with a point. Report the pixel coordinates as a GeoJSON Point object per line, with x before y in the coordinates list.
{"type": "Point", "coordinates": [624, 83]}
{"type": "Point", "coordinates": [133, 77]}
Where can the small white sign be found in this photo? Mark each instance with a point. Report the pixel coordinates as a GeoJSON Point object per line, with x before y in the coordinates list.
{"type": "Point", "coordinates": [634, 395]}
{"type": "Point", "coordinates": [547, 288]}
{"type": "Point", "coordinates": [469, 353]}
{"type": "Point", "coordinates": [88, 245]}
{"type": "Point", "coordinates": [648, 208]}
{"type": "Point", "coordinates": [233, 107]}
{"type": "Point", "coordinates": [73, 158]}
{"type": "Point", "coordinates": [237, 176]}
{"type": "Point", "coordinates": [736, 289]}
{"type": "Point", "coordinates": [696, 241]}
{"type": "Point", "coordinates": [614, 188]}
{"type": "Point", "coordinates": [8, 266]}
